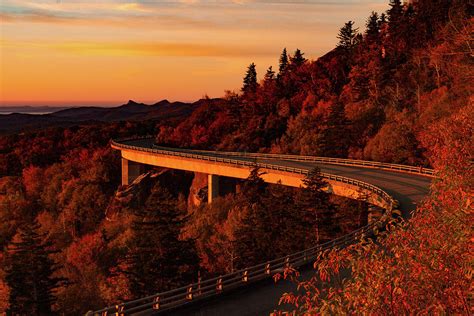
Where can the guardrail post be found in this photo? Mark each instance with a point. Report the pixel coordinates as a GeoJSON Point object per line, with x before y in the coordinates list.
{"type": "Point", "coordinates": [156, 302]}
{"type": "Point", "coordinates": [267, 268]}
{"type": "Point", "coordinates": [245, 277]}
{"type": "Point", "coordinates": [189, 295]}
{"type": "Point", "coordinates": [287, 261]}
{"type": "Point", "coordinates": [219, 285]}
{"type": "Point", "coordinates": [120, 310]}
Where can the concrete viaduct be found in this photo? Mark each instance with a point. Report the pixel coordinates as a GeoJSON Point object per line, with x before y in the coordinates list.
{"type": "Point", "coordinates": [395, 188]}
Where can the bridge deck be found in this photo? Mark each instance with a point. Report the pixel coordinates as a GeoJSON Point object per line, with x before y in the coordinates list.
{"type": "Point", "coordinates": [263, 297]}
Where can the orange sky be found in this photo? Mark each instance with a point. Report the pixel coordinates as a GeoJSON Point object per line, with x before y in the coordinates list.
{"type": "Point", "coordinates": [106, 52]}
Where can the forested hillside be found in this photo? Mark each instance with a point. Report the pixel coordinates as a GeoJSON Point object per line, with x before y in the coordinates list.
{"type": "Point", "coordinates": [372, 97]}
{"type": "Point", "coordinates": [398, 89]}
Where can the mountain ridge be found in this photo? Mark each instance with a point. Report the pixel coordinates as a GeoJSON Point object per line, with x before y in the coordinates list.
{"type": "Point", "coordinates": [131, 110]}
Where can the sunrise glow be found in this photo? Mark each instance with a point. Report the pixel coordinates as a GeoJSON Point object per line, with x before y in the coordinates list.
{"type": "Point", "coordinates": [76, 52]}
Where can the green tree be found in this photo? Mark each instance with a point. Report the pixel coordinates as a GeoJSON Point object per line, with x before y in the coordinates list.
{"type": "Point", "coordinates": [319, 211]}
{"type": "Point", "coordinates": [288, 227]}
{"type": "Point", "coordinates": [334, 140]}
{"type": "Point", "coordinates": [383, 19]}
{"type": "Point", "coordinates": [253, 244]}
{"type": "Point", "coordinates": [270, 75]}
{"type": "Point", "coordinates": [373, 28]}
{"type": "Point", "coordinates": [347, 36]}
{"type": "Point", "coordinates": [30, 272]}
{"type": "Point", "coordinates": [298, 58]}
{"type": "Point", "coordinates": [254, 187]}
{"type": "Point", "coordinates": [159, 260]}
{"type": "Point", "coordinates": [395, 14]}
{"type": "Point", "coordinates": [283, 62]}
{"type": "Point", "coordinates": [250, 80]}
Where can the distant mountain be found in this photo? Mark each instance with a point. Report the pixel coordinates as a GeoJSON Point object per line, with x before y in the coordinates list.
{"type": "Point", "coordinates": [30, 109]}
{"type": "Point", "coordinates": [129, 111]}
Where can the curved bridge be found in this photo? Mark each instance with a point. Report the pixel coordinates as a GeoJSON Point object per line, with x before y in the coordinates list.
{"type": "Point", "coordinates": [389, 186]}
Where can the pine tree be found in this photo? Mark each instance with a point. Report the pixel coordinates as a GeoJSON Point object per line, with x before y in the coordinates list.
{"type": "Point", "coordinates": [373, 28]}
{"type": "Point", "coordinates": [254, 187]}
{"type": "Point", "coordinates": [250, 80]}
{"type": "Point", "coordinates": [395, 14]}
{"type": "Point", "coordinates": [29, 273]}
{"type": "Point", "coordinates": [319, 211]}
{"type": "Point", "coordinates": [283, 62]}
{"type": "Point", "coordinates": [333, 139]}
{"type": "Point", "coordinates": [254, 243]}
{"type": "Point", "coordinates": [159, 259]}
{"type": "Point", "coordinates": [288, 228]}
{"type": "Point", "coordinates": [382, 20]}
{"type": "Point", "coordinates": [270, 75]}
{"type": "Point", "coordinates": [298, 58]}
{"type": "Point", "coordinates": [347, 36]}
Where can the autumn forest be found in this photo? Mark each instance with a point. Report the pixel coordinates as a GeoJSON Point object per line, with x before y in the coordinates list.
{"type": "Point", "coordinates": [397, 89]}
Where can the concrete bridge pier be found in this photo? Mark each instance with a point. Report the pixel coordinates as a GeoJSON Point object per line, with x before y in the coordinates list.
{"type": "Point", "coordinates": [130, 171]}
{"type": "Point", "coordinates": [212, 187]}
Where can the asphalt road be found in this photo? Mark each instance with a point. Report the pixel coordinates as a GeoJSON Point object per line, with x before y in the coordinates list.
{"type": "Point", "coordinates": [262, 298]}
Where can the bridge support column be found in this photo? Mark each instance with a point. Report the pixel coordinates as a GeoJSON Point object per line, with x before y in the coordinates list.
{"type": "Point", "coordinates": [212, 187]}
{"type": "Point", "coordinates": [130, 171]}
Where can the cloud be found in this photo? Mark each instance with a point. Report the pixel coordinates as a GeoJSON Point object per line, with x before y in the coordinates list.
{"type": "Point", "coordinates": [18, 10]}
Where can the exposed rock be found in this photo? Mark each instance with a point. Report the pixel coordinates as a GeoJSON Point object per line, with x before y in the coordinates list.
{"type": "Point", "coordinates": [135, 195]}
{"type": "Point", "coordinates": [198, 190]}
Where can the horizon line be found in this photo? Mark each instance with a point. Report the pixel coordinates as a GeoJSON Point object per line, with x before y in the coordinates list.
{"type": "Point", "coordinates": [57, 104]}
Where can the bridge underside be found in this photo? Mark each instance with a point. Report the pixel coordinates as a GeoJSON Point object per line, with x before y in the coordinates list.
{"type": "Point", "coordinates": [133, 165]}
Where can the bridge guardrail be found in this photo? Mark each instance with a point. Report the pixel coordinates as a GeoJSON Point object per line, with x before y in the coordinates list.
{"type": "Point", "coordinates": [213, 286]}
{"type": "Point", "coordinates": [200, 290]}
{"type": "Point", "coordinates": [335, 161]}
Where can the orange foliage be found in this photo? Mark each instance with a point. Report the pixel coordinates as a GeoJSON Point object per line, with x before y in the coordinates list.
{"type": "Point", "coordinates": [423, 266]}
{"type": "Point", "coordinates": [4, 290]}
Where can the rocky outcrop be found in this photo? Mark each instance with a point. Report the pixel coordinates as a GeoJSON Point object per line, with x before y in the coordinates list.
{"type": "Point", "coordinates": [135, 195]}
{"type": "Point", "coordinates": [198, 190]}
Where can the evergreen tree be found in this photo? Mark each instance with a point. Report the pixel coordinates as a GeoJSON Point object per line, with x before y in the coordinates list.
{"type": "Point", "coordinates": [334, 141]}
{"type": "Point", "coordinates": [254, 244]}
{"type": "Point", "coordinates": [289, 227]}
{"type": "Point", "coordinates": [373, 28]}
{"type": "Point", "coordinates": [298, 58]}
{"type": "Point", "coordinates": [347, 36]}
{"type": "Point", "coordinates": [395, 14]}
{"type": "Point", "coordinates": [382, 20]}
{"type": "Point", "coordinates": [250, 80]}
{"type": "Point", "coordinates": [319, 211]}
{"type": "Point", "coordinates": [283, 62]}
{"type": "Point", "coordinates": [254, 187]}
{"type": "Point", "coordinates": [383, 25]}
{"type": "Point", "coordinates": [159, 259]}
{"type": "Point", "coordinates": [270, 75]}
{"type": "Point", "coordinates": [29, 273]}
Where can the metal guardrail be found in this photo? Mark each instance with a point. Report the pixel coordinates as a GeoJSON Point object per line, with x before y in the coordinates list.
{"type": "Point", "coordinates": [214, 286]}
{"type": "Point", "coordinates": [327, 160]}
{"type": "Point", "coordinates": [335, 161]}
